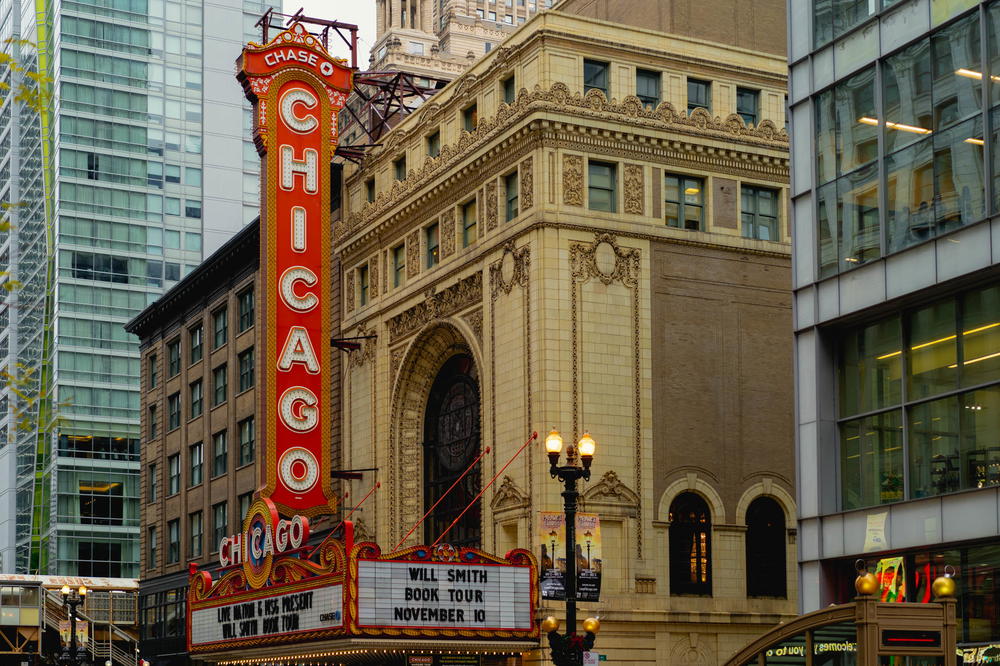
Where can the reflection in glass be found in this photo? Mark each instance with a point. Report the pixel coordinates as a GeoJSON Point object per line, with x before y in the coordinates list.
{"type": "Point", "coordinates": [981, 437]}
{"type": "Point", "coordinates": [906, 95]}
{"type": "Point", "coordinates": [828, 222]}
{"type": "Point", "coordinates": [870, 368]}
{"type": "Point", "coordinates": [957, 72]}
{"type": "Point", "coordinates": [993, 44]}
{"type": "Point", "coordinates": [857, 120]}
{"type": "Point", "coordinates": [835, 645]}
{"type": "Point", "coordinates": [826, 138]}
{"type": "Point", "coordinates": [995, 151]}
{"type": "Point", "coordinates": [859, 234]}
{"type": "Point", "coordinates": [791, 652]}
{"type": "Point", "coordinates": [980, 336]}
{"type": "Point", "coordinates": [981, 595]}
{"type": "Point", "coordinates": [935, 464]}
{"type": "Point", "coordinates": [910, 195]}
{"type": "Point", "coordinates": [959, 198]}
{"type": "Point", "coordinates": [931, 361]}
{"type": "Point", "coordinates": [871, 460]}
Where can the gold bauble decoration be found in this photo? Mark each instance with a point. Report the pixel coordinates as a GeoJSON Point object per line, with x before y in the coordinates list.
{"type": "Point", "coordinates": [866, 584]}
{"type": "Point", "coordinates": [550, 624]}
{"type": "Point", "coordinates": [944, 586]}
{"type": "Point", "coordinates": [592, 624]}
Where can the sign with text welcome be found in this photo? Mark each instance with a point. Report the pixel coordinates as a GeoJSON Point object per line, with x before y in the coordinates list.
{"type": "Point", "coordinates": [297, 89]}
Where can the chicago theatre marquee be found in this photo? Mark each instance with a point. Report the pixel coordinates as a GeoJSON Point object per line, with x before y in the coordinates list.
{"type": "Point", "coordinates": [278, 595]}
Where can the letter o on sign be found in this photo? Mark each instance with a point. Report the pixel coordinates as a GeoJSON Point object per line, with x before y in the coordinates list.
{"type": "Point", "coordinates": [299, 469]}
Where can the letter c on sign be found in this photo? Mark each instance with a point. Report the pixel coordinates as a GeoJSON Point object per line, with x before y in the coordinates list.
{"type": "Point", "coordinates": [289, 297]}
{"type": "Point", "coordinates": [287, 106]}
{"type": "Point", "coordinates": [298, 409]}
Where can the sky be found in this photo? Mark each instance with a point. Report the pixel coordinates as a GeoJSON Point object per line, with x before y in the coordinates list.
{"type": "Point", "coordinates": [359, 12]}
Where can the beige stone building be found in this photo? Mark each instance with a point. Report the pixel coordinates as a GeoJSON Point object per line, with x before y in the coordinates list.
{"type": "Point", "coordinates": [587, 230]}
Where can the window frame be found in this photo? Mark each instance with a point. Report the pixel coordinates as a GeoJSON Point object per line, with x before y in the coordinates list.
{"type": "Point", "coordinates": [196, 464]}
{"type": "Point", "coordinates": [246, 308]}
{"type": "Point", "coordinates": [196, 343]}
{"type": "Point", "coordinates": [433, 252]}
{"type": "Point", "coordinates": [218, 388]}
{"type": "Point", "coordinates": [196, 402]}
{"type": "Point", "coordinates": [220, 327]}
{"type": "Point", "coordinates": [220, 454]}
{"type": "Point", "coordinates": [173, 474]}
{"type": "Point", "coordinates": [511, 203]}
{"type": "Point", "coordinates": [612, 190]}
{"type": "Point", "coordinates": [398, 267]}
{"type": "Point", "coordinates": [470, 117]}
{"type": "Point", "coordinates": [173, 541]}
{"type": "Point", "coordinates": [601, 67]}
{"type": "Point", "coordinates": [247, 369]}
{"type": "Point", "coordinates": [757, 190]}
{"type": "Point", "coordinates": [245, 426]}
{"type": "Point", "coordinates": [653, 75]}
{"type": "Point", "coordinates": [754, 116]}
{"type": "Point", "coordinates": [470, 229]}
{"type": "Point", "coordinates": [707, 87]}
{"type": "Point", "coordinates": [682, 204]}
{"type": "Point", "coordinates": [174, 357]}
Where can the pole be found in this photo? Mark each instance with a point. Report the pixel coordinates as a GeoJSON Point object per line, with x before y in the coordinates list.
{"type": "Point", "coordinates": [72, 632]}
{"type": "Point", "coordinates": [570, 496]}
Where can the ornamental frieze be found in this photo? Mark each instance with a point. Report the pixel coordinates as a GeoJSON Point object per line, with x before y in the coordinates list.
{"type": "Point", "coordinates": [437, 305]}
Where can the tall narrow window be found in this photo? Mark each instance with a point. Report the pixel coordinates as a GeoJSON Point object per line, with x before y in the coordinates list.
{"type": "Point", "coordinates": [195, 534]}
{"type": "Point", "coordinates": [470, 117]}
{"type": "Point", "coordinates": [647, 87]}
{"type": "Point", "coordinates": [684, 202]}
{"type": "Point", "coordinates": [220, 522]}
{"type": "Point", "coordinates": [173, 541]}
{"type": "Point", "coordinates": [432, 236]}
{"type": "Point", "coordinates": [174, 474]}
{"type": "Point", "coordinates": [434, 144]}
{"type": "Point", "coordinates": [510, 195]}
{"type": "Point", "coordinates": [748, 105]}
{"type": "Point", "coordinates": [151, 542]}
{"type": "Point", "coordinates": [220, 453]}
{"type": "Point", "coordinates": [154, 371]}
{"type": "Point", "coordinates": [220, 327]}
{"type": "Point", "coordinates": [690, 546]}
{"type": "Point", "coordinates": [699, 95]}
{"type": "Point", "coordinates": [195, 462]}
{"type": "Point", "coordinates": [154, 425]}
{"type": "Point", "coordinates": [765, 547]}
{"type": "Point", "coordinates": [363, 285]}
{"type": "Point", "coordinates": [759, 212]}
{"type": "Point", "coordinates": [153, 490]}
{"type": "Point", "coordinates": [220, 385]}
{"type": "Point", "coordinates": [509, 89]}
{"type": "Point", "coordinates": [246, 304]}
{"type": "Point", "coordinates": [247, 441]}
{"type": "Point", "coordinates": [173, 357]}
{"type": "Point", "coordinates": [246, 361]}
{"type": "Point", "coordinates": [370, 190]}
{"type": "Point", "coordinates": [196, 335]}
{"type": "Point", "coordinates": [245, 500]}
{"type": "Point", "coordinates": [398, 265]}
{"type": "Point", "coordinates": [197, 398]}
{"type": "Point", "coordinates": [174, 411]}
{"type": "Point", "coordinates": [601, 186]}
{"type": "Point", "coordinates": [595, 76]}
{"type": "Point", "coordinates": [470, 226]}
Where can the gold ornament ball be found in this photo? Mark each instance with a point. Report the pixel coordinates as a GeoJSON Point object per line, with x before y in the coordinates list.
{"type": "Point", "coordinates": [866, 584]}
{"type": "Point", "coordinates": [550, 624]}
{"type": "Point", "coordinates": [592, 624]}
{"type": "Point", "coordinates": [944, 586]}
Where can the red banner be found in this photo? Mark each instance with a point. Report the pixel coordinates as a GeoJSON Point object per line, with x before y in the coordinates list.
{"type": "Point", "coordinates": [297, 90]}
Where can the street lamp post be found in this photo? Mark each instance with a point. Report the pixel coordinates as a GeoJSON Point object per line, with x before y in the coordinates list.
{"type": "Point", "coordinates": [588, 536]}
{"type": "Point", "coordinates": [72, 598]}
{"type": "Point", "coordinates": [568, 648]}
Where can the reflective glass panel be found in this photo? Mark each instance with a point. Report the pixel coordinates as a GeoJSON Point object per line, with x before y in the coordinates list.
{"type": "Point", "coordinates": [906, 95]}
{"type": "Point", "coordinates": [860, 239]}
{"type": "Point", "coordinates": [790, 652]}
{"type": "Point", "coordinates": [910, 195]}
{"type": "Point", "coordinates": [958, 72]}
{"type": "Point", "coordinates": [871, 460]}
{"type": "Point", "coordinates": [871, 368]}
{"type": "Point", "coordinates": [935, 465]}
{"type": "Point", "coordinates": [835, 645]}
{"type": "Point", "coordinates": [857, 121]}
{"type": "Point", "coordinates": [981, 438]}
{"type": "Point", "coordinates": [959, 197]}
{"type": "Point", "coordinates": [931, 361]}
{"type": "Point", "coordinates": [981, 336]}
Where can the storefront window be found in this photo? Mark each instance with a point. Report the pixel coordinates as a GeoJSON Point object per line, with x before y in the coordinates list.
{"type": "Point", "coordinates": [835, 645]}
{"type": "Point", "coordinates": [789, 653]}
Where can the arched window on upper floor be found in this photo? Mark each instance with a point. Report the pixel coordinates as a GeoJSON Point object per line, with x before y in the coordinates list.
{"type": "Point", "coordinates": [765, 546]}
{"type": "Point", "coordinates": [690, 545]}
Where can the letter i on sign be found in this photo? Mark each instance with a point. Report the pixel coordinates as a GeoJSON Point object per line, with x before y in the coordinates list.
{"type": "Point", "coordinates": [297, 88]}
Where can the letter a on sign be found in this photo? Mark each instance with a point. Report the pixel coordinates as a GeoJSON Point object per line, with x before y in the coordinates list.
{"type": "Point", "coordinates": [296, 99]}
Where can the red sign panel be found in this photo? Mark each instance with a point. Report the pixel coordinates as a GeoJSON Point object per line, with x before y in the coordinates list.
{"type": "Point", "coordinates": [297, 89]}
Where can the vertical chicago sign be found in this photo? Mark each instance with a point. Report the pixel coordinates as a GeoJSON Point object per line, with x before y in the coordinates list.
{"type": "Point", "coordinates": [297, 89]}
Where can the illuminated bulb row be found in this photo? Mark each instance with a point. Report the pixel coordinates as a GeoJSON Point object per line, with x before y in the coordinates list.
{"type": "Point", "coordinates": [297, 659]}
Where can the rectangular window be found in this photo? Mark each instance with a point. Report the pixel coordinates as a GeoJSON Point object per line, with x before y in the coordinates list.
{"type": "Point", "coordinates": [748, 105]}
{"type": "Point", "coordinates": [510, 195]}
{"type": "Point", "coordinates": [246, 309]}
{"type": "Point", "coordinates": [173, 357]}
{"type": "Point", "coordinates": [153, 481]}
{"type": "Point", "coordinates": [246, 361]}
{"type": "Point", "coordinates": [154, 371]}
{"type": "Point", "coordinates": [432, 236]}
{"type": "Point", "coordinates": [398, 265]}
{"type": "Point", "coordinates": [684, 202]}
{"type": "Point", "coordinates": [174, 411]}
{"type": "Point", "coordinates": [220, 379]}
{"type": "Point", "coordinates": [370, 190]}
{"type": "Point", "coordinates": [247, 441]}
{"type": "Point", "coordinates": [173, 541]}
{"type": "Point", "coordinates": [195, 463]}
{"type": "Point", "coordinates": [595, 76]}
{"type": "Point", "coordinates": [197, 394]}
{"type": "Point", "coordinates": [470, 226]}
{"type": "Point", "coordinates": [363, 285]}
{"type": "Point", "coordinates": [509, 89]}
{"type": "Point", "coordinates": [245, 500]}
{"type": "Point", "coordinates": [154, 425]}
{"type": "Point", "coordinates": [470, 118]}
{"type": "Point", "coordinates": [399, 168]}
{"type": "Point", "coordinates": [220, 453]}
{"type": "Point", "coordinates": [174, 474]}
{"type": "Point", "coordinates": [195, 335]}
{"type": "Point", "coordinates": [434, 144]}
{"type": "Point", "coordinates": [151, 547]}
{"type": "Point", "coordinates": [220, 522]}
{"type": "Point", "coordinates": [759, 212]}
{"type": "Point", "coordinates": [194, 534]}
{"type": "Point", "coordinates": [699, 95]}
{"type": "Point", "coordinates": [601, 186]}
{"type": "Point", "coordinates": [220, 327]}
{"type": "Point", "coordinates": [647, 87]}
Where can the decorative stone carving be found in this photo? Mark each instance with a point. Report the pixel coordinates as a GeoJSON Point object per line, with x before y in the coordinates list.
{"type": "Point", "coordinates": [509, 497]}
{"type": "Point", "coordinates": [491, 205]}
{"type": "Point", "coordinates": [447, 227]}
{"type": "Point", "coordinates": [349, 290]}
{"type": "Point", "coordinates": [611, 490]}
{"type": "Point", "coordinates": [395, 359]}
{"type": "Point", "coordinates": [454, 299]}
{"type": "Point", "coordinates": [527, 193]}
{"type": "Point", "coordinates": [361, 532]}
{"type": "Point", "coordinates": [475, 321]}
{"type": "Point", "coordinates": [573, 180]}
{"type": "Point", "coordinates": [373, 282]}
{"type": "Point", "coordinates": [510, 270]}
{"type": "Point", "coordinates": [634, 189]}
{"type": "Point", "coordinates": [362, 356]}
{"type": "Point", "coordinates": [606, 261]}
{"type": "Point", "coordinates": [412, 254]}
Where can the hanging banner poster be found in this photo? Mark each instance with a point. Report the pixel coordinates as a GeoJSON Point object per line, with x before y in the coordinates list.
{"type": "Point", "coordinates": [82, 632]}
{"type": "Point", "coordinates": [891, 580]}
{"type": "Point", "coordinates": [552, 566]}
{"type": "Point", "coordinates": [588, 557]}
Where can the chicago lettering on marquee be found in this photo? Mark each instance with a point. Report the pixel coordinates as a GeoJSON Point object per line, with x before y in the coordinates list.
{"type": "Point", "coordinates": [297, 89]}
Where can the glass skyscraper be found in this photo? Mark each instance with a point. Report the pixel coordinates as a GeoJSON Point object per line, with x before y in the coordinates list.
{"type": "Point", "coordinates": [124, 160]}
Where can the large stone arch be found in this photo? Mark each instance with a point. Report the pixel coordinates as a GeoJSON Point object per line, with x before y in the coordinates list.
{"type": "Point", "coordinates": [694, 483]}
{"type": "Point", "coordinates": [436, 342]}
{"type": "Point", "coordinates": [766, 487]}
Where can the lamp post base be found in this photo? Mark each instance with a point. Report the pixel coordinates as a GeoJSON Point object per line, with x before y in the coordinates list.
{"type": "Point", "coordinates": [568, 649]}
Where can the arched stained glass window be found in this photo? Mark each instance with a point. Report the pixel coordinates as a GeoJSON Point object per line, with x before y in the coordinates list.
{"type": "Point", "coordinates": [690, 546]}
